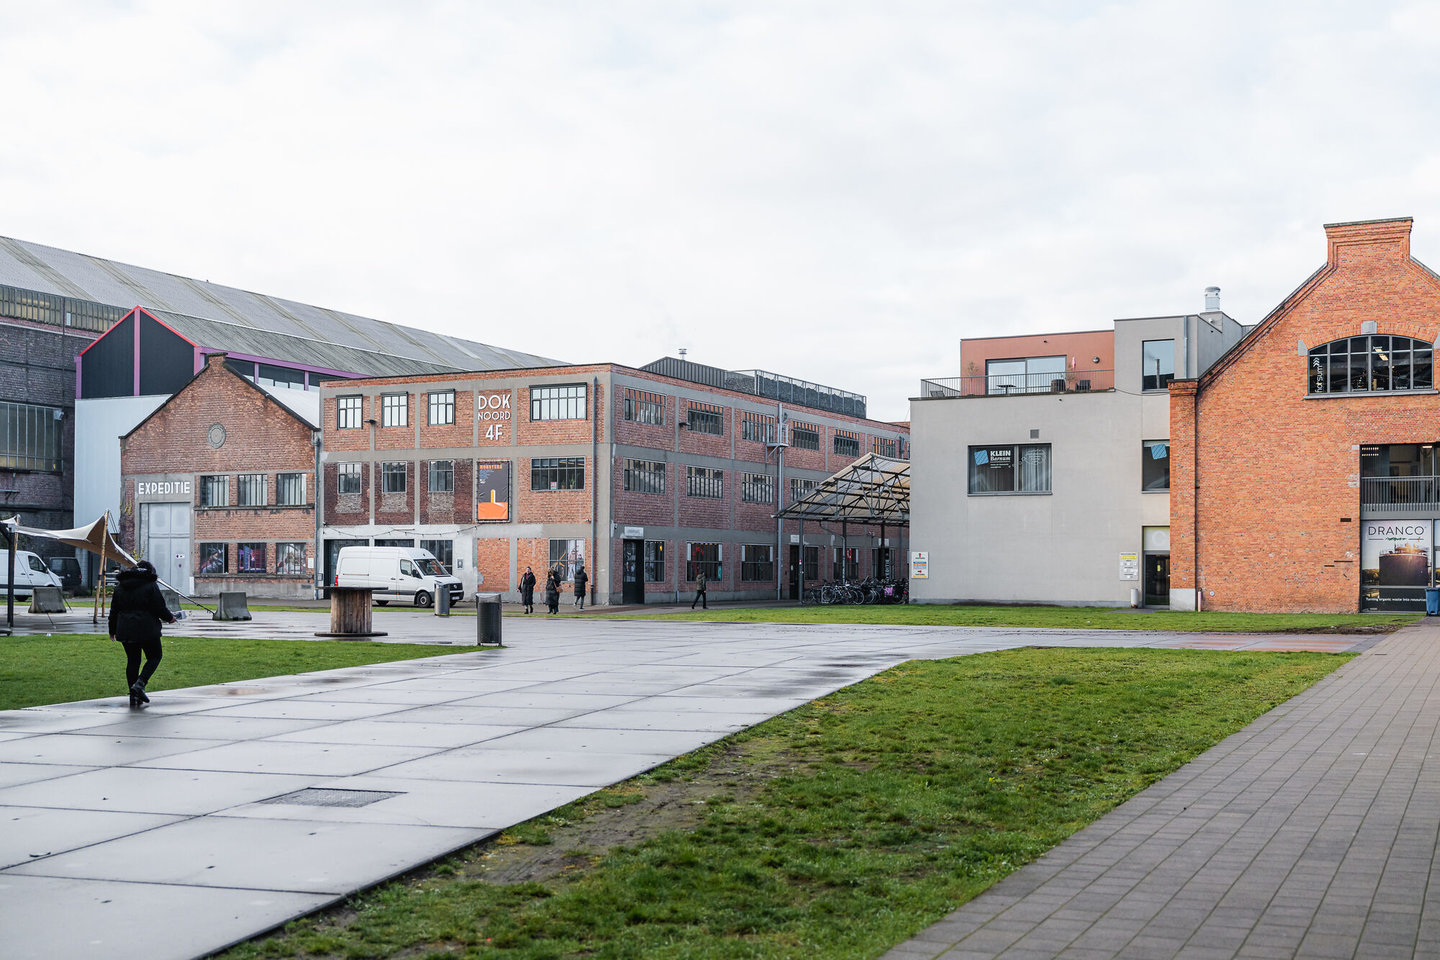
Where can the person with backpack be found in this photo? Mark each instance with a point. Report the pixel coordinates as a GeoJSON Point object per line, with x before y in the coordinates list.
{"type": "Point", "coordinates": [552, 592]}
{"type": "Point", "coordinates": [136, 611]}
{"type": "Point", "coordinates": [700, 592]}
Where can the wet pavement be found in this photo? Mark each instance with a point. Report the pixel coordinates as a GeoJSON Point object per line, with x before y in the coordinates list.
{"type": "Point", "coordinates": [220, 812]}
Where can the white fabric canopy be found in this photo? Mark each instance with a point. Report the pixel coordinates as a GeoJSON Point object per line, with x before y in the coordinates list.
{"type": "Point", "coordinates": [95, 537]}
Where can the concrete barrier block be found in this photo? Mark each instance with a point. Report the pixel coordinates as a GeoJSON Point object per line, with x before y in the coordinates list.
{"type": "Point", "coordinates": [232, 606]}
{"type": "Point", "coordinates": [47, 600]}
{"type": "Point", "coordinates": [172, 599]}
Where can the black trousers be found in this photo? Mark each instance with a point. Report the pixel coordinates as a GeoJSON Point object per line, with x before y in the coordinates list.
{"type": "Point", "coordinates": [151, 650]}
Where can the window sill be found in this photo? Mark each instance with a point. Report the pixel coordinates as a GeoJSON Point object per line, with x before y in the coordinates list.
{"type": "Point", "coordinates": [1012, 493]}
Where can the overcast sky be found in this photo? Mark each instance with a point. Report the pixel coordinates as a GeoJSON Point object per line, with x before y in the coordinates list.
{"type": "Point", "coordinates": [834, 191]}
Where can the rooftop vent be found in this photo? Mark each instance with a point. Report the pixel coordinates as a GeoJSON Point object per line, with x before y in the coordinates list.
{"type": "Point", "coordinates": [1212, 299]}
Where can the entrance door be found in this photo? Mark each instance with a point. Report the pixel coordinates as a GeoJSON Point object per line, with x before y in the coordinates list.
{"type": "Point", "coordinates": [632, 571]}
{"type": "Point", "coordinates": [166, 529]}
{"type": "Point", "coordinates": [1157, 579]}
{"type": "Point", "coordinates": [794, 571]}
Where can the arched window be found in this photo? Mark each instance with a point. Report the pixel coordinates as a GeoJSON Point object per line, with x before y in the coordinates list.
{"type": "Point", "coordinates": [1372, 364]}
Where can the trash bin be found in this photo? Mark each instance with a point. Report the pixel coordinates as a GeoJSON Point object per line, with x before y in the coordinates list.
{"type": "Point", "coordinates": [487, 617]}
{"type": "Point", "coordinates": [442, 601]}
{"type": "Point", "coordinates": [1432, 601]}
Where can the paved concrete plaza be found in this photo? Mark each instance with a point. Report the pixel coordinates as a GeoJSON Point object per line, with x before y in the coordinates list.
{"type": "Point", "coordinates": [220, 812]}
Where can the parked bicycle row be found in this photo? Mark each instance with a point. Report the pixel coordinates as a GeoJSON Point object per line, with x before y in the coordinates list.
{"type": "Point", "coordinates": [869, 590]}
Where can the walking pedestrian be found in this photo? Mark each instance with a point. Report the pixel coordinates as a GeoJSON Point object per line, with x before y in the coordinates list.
{"type": "Point", "coordinates": [700, 592]}
{"type": "Point", "coordinates": [552, 592]}
{"type": "Point", "coordinates": [136, 611]}
{"type": "Point", "coordinates": [581, 579]}
{"type": "Point", "coordinates": [527, 590]}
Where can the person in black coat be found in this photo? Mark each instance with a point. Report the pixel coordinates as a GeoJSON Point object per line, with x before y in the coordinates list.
{"type": "Point", "coordinates": [581, 579]}
{"type": "Point", "coordinates": [136, 612]}
{"type": "Point", "coordinates": [527, 590]}
{"type": "Point", "coordinates": [552, 592]}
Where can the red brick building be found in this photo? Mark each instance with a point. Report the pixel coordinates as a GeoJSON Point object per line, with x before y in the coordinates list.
{"type": "Point", "coordinates": [1303, 463]}
{"type": "Point", "coordinates": [647, 476]}
{"type": "Point", "coordinates": [218, 487]}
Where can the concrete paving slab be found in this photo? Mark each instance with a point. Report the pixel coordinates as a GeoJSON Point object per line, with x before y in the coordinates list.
{"type": "Point", "coordinates": [33, 833]}
{"type": "Point", "coordinates": [395, 731]}
{"type": "Point", "coordinates": [13, 773]}
{"type": "Point", "coordinates": [141, 790]}
{"type": "Point", "coordinates": [89, 749]}
{"type": "Point", "coordinates": [275, 756]}
{"type": "Point", "coordinates": [483, 764]}
{"type": "Point", "coordinates": [103, 918]}
{"type": "Point", "coordinates": [297, 856]}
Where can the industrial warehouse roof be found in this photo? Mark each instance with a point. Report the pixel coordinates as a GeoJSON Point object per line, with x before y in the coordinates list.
{"type": "Point", "coordinates": [873, 489]}
{"type": "Point", "coordinates": [230, 318]}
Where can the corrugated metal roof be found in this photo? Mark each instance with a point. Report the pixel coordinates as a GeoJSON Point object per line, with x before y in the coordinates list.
{"type": "Point", "coordinates": [873, 489]}
{"type": "Point", "coordinates": [334, 335]}
{"type": "Point", "coordinates": [234, 338]}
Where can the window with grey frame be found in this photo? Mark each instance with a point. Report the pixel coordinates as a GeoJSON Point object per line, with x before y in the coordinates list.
{"type": "Point", "coordinates": [561, 402]}
{"type": "Point", "coordinates": [215, 490]}
{"type": "Point", "coordinates": [347, 478]}
{"type": "Point", "coordinates": [290, 489]}
{"type": "Point", "coordinates": [442, 550]}
{"type": "Point", "coordinates": [705, 418]}
{"type": "Point", "coordinates": [654, 561]}
{"type": "Point", "coordinates": [392, 476]}
{"type": "Point", "coordinates": [1010, 469]}
{"type": "Point", "coordinates": [644, 408]}
{"type": "Point", "coordinates": [845, 444]}
{"type": "Point", "coordinates": [801, 488]}
{"type": "Point", "coordinates": [703, 558]}
{"type": "Point", "coordinates": [442, 476]}
{"type": "Point", "coordinates": [211, 559]}
{"type": "Point", "coordinates": [1024, 375]}
{"type": "Point", "coordinates": [441, 406]}
{"type": "Point", "coordinates": [757, 427]}
{"type": "Point", "coordinates": [557, 473]}
{"type": "Point", "coordinates": [290, 559]}
{"type": "Point", "coordinates": [644, 476]}
{"type": "Point", "coordinates": [804, 437]}
{"type": "Point", "coordinates": [757, 488]}
{"type": "Point", "coordinates": [349, 412]}
{"type": "Point", "coordinates": [250, 557]}
{"type": "Point", "coordinates": [1155, 466]}
{"type": "Point", "coordinates": [394, 409]}
{"type": "Point", "coordinates": [1157, 364]}
{"type": "Point", "coordinates": [250, 490]}
{"type": "Point", "coordinates": [705, 482]}
{"type": "Point", "coordinates": [757, 562]}
{"type": "Point", "coordinates": [30, 437]}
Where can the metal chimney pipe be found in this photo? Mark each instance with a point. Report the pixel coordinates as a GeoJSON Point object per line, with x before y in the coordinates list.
{"type": "Point", "coordinates": [1212, 299]}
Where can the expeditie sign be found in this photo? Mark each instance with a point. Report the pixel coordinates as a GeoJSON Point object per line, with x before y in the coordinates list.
{"type": "Point", "coordinates": [492, 490]}
{"type": "Point", "coordinates": [164, 491]}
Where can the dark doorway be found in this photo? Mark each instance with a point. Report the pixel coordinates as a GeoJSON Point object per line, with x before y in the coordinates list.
{"type": "Point", "coordinates": [794, 571]}
{"type": "Point", "coordinates": [632, 571]}
{"type": "Point", "coordinates": [1157, 579]}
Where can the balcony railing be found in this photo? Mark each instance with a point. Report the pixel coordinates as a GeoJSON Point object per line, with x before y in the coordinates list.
{"type": "Point", "coordinates": [1073, 381]}
{"type": "Point", "coordinates": [1399, 493]}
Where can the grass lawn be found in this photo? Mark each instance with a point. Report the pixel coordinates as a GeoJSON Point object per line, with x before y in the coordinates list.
{"type": "Point", "coordinates": [1060, 618]}
{"type": "Point", "coordinates": [38, 670]}
{"type": "Point", "coordinates": [834, 831]}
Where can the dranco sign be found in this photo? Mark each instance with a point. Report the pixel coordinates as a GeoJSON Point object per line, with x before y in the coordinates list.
{"type": "Point", "coordinates": [1396, 531]}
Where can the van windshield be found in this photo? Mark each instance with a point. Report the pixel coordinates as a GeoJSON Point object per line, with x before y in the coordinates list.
{"type": "Point", "coordinates": [432, 567]}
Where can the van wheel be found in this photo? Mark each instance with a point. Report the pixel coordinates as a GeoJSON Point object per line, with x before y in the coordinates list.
{"type": "Point", "coordinates": [381, 603]}
{"type": "Point", "coordinates": [423, 599]}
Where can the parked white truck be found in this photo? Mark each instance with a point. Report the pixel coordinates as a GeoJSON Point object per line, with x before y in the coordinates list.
{"type": "Point", "coordinates": [30, 572]}
{"type": "Point", "coordinates": [404, 574]}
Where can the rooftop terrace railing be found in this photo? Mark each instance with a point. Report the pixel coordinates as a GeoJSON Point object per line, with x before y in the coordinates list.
{"type": "Point", "coordinates": [1004, 385]}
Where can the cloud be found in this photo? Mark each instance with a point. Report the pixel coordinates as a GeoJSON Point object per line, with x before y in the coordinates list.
{"type": "Point", "coordinates": [836, 192]}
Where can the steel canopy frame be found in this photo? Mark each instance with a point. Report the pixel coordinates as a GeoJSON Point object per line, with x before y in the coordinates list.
{"type": "Point", "coordinates": [873, 490]}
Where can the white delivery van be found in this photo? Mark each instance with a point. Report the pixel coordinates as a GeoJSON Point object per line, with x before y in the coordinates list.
{"type": "Point", "coordinates": [30, 572]}
{"type": "Point", "coordinates": [396, 573]}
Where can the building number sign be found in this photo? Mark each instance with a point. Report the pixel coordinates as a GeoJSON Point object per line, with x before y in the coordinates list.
{"type": "Point", "coordinates": [493, 411]}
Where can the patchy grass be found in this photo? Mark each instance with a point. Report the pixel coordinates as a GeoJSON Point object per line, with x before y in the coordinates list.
{"type": "Point", "coordinates": [1053, 618]}
{"type": "Point", "coordinates": [834, 831]}
{"type": "Point", "coordinates": [37, 670]}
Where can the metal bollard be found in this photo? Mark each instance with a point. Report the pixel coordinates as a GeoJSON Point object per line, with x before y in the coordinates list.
{"type": "Point", "coordinates": [442, 601]}
{"type": "Point", "coordinates": [487, 618]}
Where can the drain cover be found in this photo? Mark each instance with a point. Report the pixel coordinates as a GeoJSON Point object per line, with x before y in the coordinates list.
{"type": "Point", "coordinates": [329, 797]}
